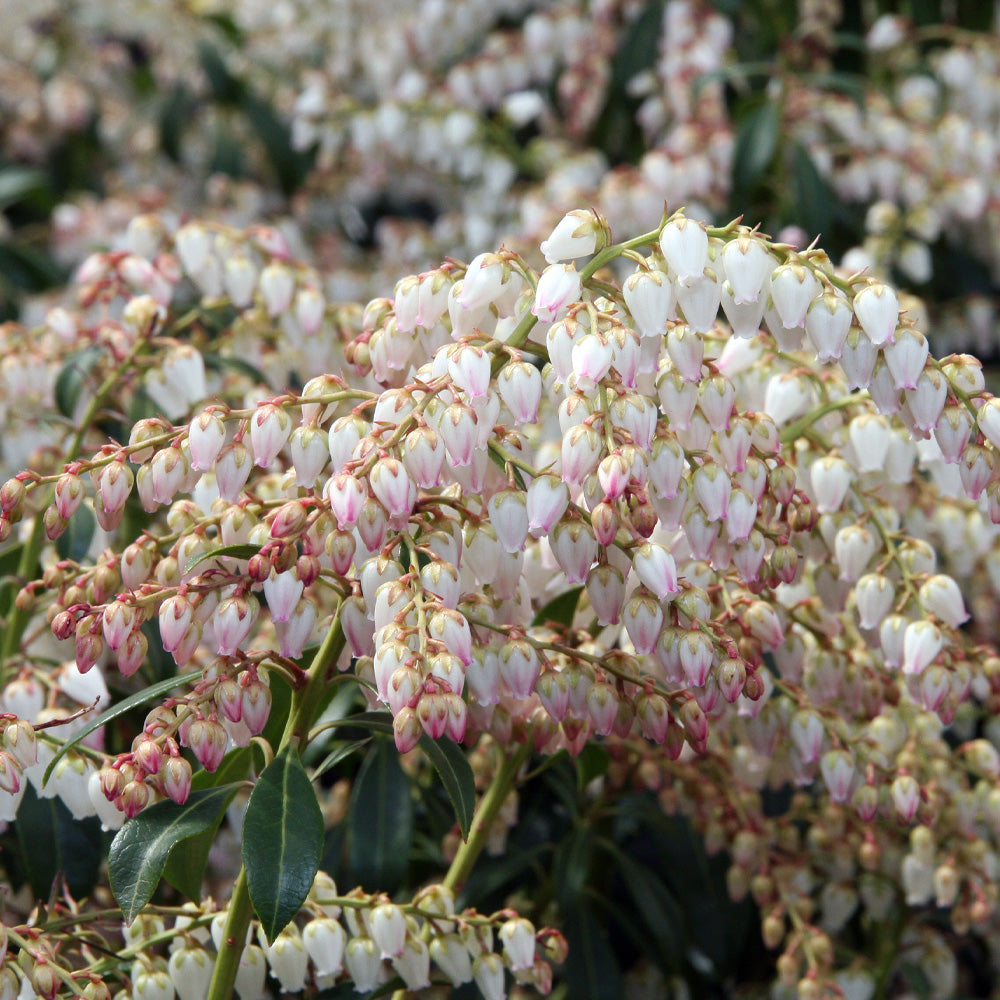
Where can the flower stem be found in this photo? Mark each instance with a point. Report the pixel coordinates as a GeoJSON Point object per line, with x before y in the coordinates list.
{"type": "Point", "coordinates": [300, 719]}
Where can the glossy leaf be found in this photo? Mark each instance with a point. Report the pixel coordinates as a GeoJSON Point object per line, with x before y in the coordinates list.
{"type": "Point", "coordinates": [756, 144]}
{"type": "Point", "coordinates": [593, 971]}
{"type": "Point", "coordinates": [151, 693]}
{"type": "Point", "coordinates": [456, 775]}
{"type": "Point", "coordinates": [141, 847]}
{"type": "Point", "coordinates": [561, 609]}
{"type": "Point", "coordinates": [341, 751]}
{"type": "Point", "coordinates": [282, 841]}
{"type": "Point", "coordinates": [73, 376]}
{"type": "Point", "coordinates": [74, 542]}
{"type": "Point", "coordinates": [380, 820]}
{"type": "Point", "coordinates": [53, 845]}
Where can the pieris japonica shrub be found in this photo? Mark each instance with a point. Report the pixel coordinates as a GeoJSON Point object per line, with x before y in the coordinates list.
{"type": "Point", "coordinates": [662, 571]}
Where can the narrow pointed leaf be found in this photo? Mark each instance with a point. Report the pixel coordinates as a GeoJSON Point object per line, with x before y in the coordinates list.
{"type": "Point", "coordinates": [561, 609]}
{"type": "Point", "coordinates": [141, 847]}
{"type": "Point", "coordinates": [282, 841]}
{"type": "Point", "coordinates": [380, 820]}
{"type": "Point", "coordinates": [239, 551]}
{"type": "Point", "coordinates": [456, 776]}
{"type": "Point", "coordinates": [147, 694]}
{"type": "Point", "coordinates": [340, 752]}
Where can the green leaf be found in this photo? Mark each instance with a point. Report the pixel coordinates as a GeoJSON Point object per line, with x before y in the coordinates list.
{"type": "Point", "coordinates": [380, 821]}
{"type": "Point", "coordinates": [72, 377]}
{"type": "Point", "coordinates": [572, 865]}
{"type": "Point", "coordinates": [141, 847]}
{"type": "Point", "coordinates": [593, 972]}
{"type": "Point", "coordinates": [592, 762]}
{"type": "Point", "coordinates": [10, 583]}
{"type": "Point", "coordinates": [814, 201]}
{"type": "Point", "coordinates": [147, 694]}
{"type": "Point", "coordinates": [561, 609]}
{"type": "Point", "coordinates": [185, 870]}
{"type": "Point", "coordinates": [377, 722]}
{"type": "Point", "coordinates": [282, 841]}
{"type": "Point", "coordinates": [756, 144]}
{"type": "Point", "coordinates": [74, 542]}
{"type": "Point", "coordinates": [239, 551]}
{"type": "Point", "coordinates": [340, 752]}
{"type": "Point", "coordinates": [219, 362]}
{"type": "Point", "coordinates": [453, 767]}
{"type": "Point", "coordinates": [52, 844]}
{"type": "Point", "coordinates": [17, 183]}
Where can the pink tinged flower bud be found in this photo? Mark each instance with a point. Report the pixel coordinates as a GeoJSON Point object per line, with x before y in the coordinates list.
{"type": "Point", "coordinates": [748, 264]}
{"type": "Point", "coordinates": [452, 957]}
{"type": "Point", "coordinates": [713, 488]}
{"type": "Point", "coordinates": [553, 692]}
{"type": "Point", "coordinates": [519, 385]}
{"type": "Point", "coordinates": [935, 686]}
{"type": "Point", "coordinates": [877, 309]}
{"type": "Point", "coordinates": [870, 436]}
{"type": "Point", "coordinates": [857, 359]}
{"type": "Point", "coordinates": [591, 359]}
{"type": "Point", "coordinates": [346, 497]}
{"type": "Point", "coordinates": [519, 667]}
{"type": "Point", "coordinates": [952, 432]}
{"type": "Point", "coordinates": [208, 741]}
{"type": "Point", "coordinates": [827, 323]}
{"type": "Point", "coordinates": [575, 549]}
{"type": "Point", "coordinates": [941, 597]}
{"type": "Point", "coordinates": [167, 472]}
{"type": "Point", "coordinates": [483, 677]}
{"type": "Point", "coordinates": [131, 654]}
{"type": "Point", "coordinates": [11, 774]}
{"type": "Point", "coordinates": [696, 653]}
{"type": "Point", "coordinates": [666, 467]}
{"type": "Point", "coordinates": [393, 487]}
{"type": "Point", "coordinates": [423, 454]}
{"type": "Point", "coordinates": [854, 547]}
{"type": "Point", "coordinates": [270, 429]}
{"type": "Point", "coordinates": [69, 493]}
{"type": "Point", "coordinates": [741, 515]}
{"type": "Point", "coordinates": [831, 477]}
{"type": "Point", "coordinates": [282, 592]}
{"type": "Point", "coordinates": [684, 245]}
{"type": "Point", "coordinates": [448, 668]}
{"type": "Point", "coordinates": [134, 798]}
{"type": "Point", "coordinates": [240, 279]}
{"type": "Point", "coordinates": [892, 633]}
{"type": "Point", "coordinates": [976, 468]}
{"type": "Point", "coordinates": [807, 732]}
{"type": "Point", "coordinates": [483, 281]}
{"type": "Point", "coordinates": [206, 436]}
{"type": "Point", "coordinates": [234, 620]}
{"type": "Point", "coordinates": [643, 619]}
{"type": "Point", "coordinates": [508, 514]}
{"type": "Point", "coordinates": [748, 556]}
{"type": "Point", "coordinates": [389, 658]}
{"type": "Point", "coordinates": [578, 234]}
{"type": "Point", "coordinates": [308, 447]}
{"type": "Point", "coordinates": [906, 358]}
{"type": "Point", "coordinates": [653, 713]}
{"type": "Point", "coordinates": [113, 484]}
{"type": "Point", "coordinates": [406, 303]}
{"type": "Point", "coordinates": [699, 299]}
{"type": "Point", "coordinates": [277, 286]}
{"type": "Point", "coordinates": [793, 288]}
{"type": "Point", "coordinates": [452, 628]}
{"type": "Point", "coordinates": [838, 770]}
{"type": "Point", "coordinates": [228, 697]}
{"type": "Point", "coordinates": [716, 396]}
{"type": "Point", "coordinates": [613, 474]}
{"type": "Point", "coordinates": [517, 937]}
{"type": "Point", "coordinates": [695, 723]}
{"type": "Point", "coordinates": [678, 399]}
{"type": "Point", "coordinates": [460, 431]}
{"type": "Point", "coordinates": [558, 287]}
{"type": "Point", "coordinates": [922, 642]}
{"type": "Point", "coordinates": [905, 797]}
{"type": "Point", "coordinates": [469, 368]}
{"type": "Point", "coordinates": [656, 569]}
{"type": "Point", "coordinates": [547, 501]}
{"type": "Point", "coordinates": [650, 298]}
{"type": "Point", "coordinates": [765, 624]}
{"type": "Point", "coordinates": [874, 596]}
{"type": "Point", "coordinates": [117, 622]}
{"type": "Point", "coordinates": [407, 730]}
{"type": "Point", "coordinates": [581, 451]}
{"type": "Point", "coordinates": [988, 419]}
{"type": "Point", "coordinates": [175, 618]}
{"type": "Point", "coordinates": [232, 468]}
{"type": "Point", "coordinates": [309, 309]}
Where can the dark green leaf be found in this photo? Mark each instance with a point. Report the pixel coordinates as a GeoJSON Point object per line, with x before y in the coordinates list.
{"type": "Point", "coordinates": [561, 609]}
{"type": "Point", "coordinates": [380, 821]}
{"type": "Point", "coordinates": [52, 844]}
{"type": "Point", "coordinates": [240, 551]}
{"type": "Point", "coordinates": [74, 542]}
{"type": "Point", "coordinates": [27, 267]}
{"type": "Point", "coordinates": [219, 362]}
{"type": "Point", "coordinates": [151, 693]}
{"type": "Point", "coordinates": [593, 971]}
{"type": "Point", "coordinates": [456, 775]}
{"type": "Point", "coordinates": [916, 979]}
{"type": "Point", "coordinates": [289, 164]}
{"type": "Point", "coordinates": [141, 847]}
{"type": "Point", "coordinates": [756, 144]}
{"type": "Point", "coordinates": [572, 866]}
{"type": "Point", "coordinates": [174, 117]}
{"type": "Point", "coordinates": [16, 183]}
{"type": "Point", "coordinates": [226, 88]}
{"type": "Point", "coordinates": [185, 869]}
{"type": "Point", "coordinates": [377, 722]}
{"type": "Point", "coordinates": [282, 841]}
{"type": "Point", "coordinates": [281, 705]}
{"type": "Point", "coordinates": [340, 752]}
{"type": "Point", "coordinates": [73, 376]}
{"type": "Point", "coordinates": [814, 201]}
{"type": "Point", "coordinates": [592, 762]}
